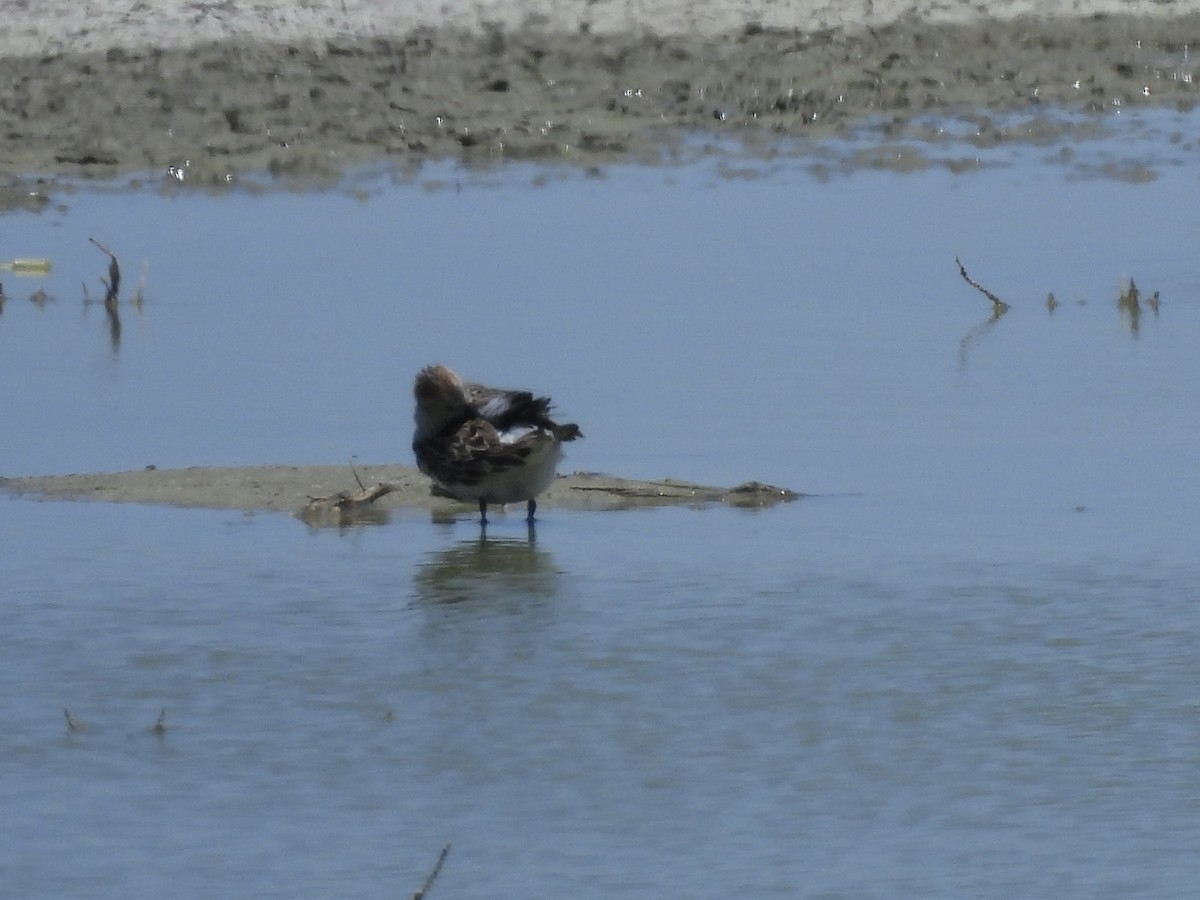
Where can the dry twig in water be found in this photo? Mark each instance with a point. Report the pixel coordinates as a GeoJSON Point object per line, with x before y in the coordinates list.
{"type": "Point", "coordinates": [437, 867]}
{"type": "Point", "coordinates": [998, 305]}
{"type": "Point", "coordinates": [74, 726]}
{"type": "Point", "coordinates": [113, 285]}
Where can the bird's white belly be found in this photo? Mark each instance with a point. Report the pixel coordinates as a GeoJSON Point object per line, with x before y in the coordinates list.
{"type": "Point", "coordinates": [517, 484]}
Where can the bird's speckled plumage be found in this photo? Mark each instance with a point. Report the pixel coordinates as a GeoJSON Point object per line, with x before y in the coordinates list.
{"type": "Point", "coordinates": [485, 444]}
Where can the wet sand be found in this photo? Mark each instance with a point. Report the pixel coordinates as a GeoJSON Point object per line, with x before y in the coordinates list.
{"type": "Point", "coordinates": [213, 94]}
{"type": "Point", "coordinates": [313, 492]}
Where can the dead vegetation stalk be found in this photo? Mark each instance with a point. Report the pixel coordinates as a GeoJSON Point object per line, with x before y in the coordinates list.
{"type": "Point", "coordinates": [998, 305]}
{"type": "Point", "coordinates": [112, 286]}
{"type": "Point", "coordinates": [433, 874]}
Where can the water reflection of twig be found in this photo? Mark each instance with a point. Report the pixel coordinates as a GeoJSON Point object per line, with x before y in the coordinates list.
{"type": "Point", "coordinates": [999, 308]}
{"type": "Point", "coordinates": [114, 327]}
{"type": "Point", "coordinates": [140, 291]}
{"type": "Point", "coordinates": [113, 317]}
{"type": "Point", "coordinates": [977, 333]}
{"type": "Point", "coordinates": [432, 876]}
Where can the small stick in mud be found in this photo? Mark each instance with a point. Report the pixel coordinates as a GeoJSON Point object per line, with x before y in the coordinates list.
{"type": "Point", "coordinates": [344, 500]}
{"type": "Point", "coordinates": [998, 305]}
{"type": "Point", "coordinates": [437, 867]}
{"type": "Point", "coordinates": [354, 472]}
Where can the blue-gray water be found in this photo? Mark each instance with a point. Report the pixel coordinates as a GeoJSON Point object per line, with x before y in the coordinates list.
{"type": "Point", "coordinates": [967, 669]}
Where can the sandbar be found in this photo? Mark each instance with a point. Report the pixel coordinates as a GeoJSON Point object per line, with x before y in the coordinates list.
{"type": "Point", "coordinates": [328, 494]}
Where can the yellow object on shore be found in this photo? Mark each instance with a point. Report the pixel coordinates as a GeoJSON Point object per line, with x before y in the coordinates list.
{"type": "Point", "coordinates": [27, 266]}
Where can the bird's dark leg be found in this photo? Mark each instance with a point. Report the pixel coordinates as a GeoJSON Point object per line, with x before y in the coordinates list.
{"type": "Point", "coordinates": [482, 512]}
{"type": "Point", "coordinates": [532, 509]}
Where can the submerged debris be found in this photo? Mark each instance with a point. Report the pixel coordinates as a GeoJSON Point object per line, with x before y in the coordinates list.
{"type": "Point", "coordinates": [31, 267]}
{"type": "Point", "coordinates": [74, 726]}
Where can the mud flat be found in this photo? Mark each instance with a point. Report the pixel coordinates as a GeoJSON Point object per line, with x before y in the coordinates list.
{"type": "Point", "coordinates": [215, 94]}
{"type": "Point", "coordinates": [313, 492]}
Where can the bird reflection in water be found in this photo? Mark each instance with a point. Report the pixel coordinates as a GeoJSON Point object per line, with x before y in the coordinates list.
{"type": "Point", "coordinates": [486, 569]}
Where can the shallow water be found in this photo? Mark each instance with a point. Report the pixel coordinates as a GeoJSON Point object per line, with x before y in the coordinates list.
{"type": "Point", "coordinates": [966, 668]}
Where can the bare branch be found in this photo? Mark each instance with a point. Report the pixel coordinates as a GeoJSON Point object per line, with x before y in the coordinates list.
{"type": "Point", "coordinates": [113, 286]}
{"type": "Point", "coordinates": [345, 500]}
{"type": "Point", "coordinates": [997, 304]}
{"type": "Point", "coordinates": [437, 867]}
{"type": "Point", "coordinates": [354, 472]}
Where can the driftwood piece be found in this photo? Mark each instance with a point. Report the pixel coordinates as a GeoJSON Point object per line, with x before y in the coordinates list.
{"type": "Point", "coordinates": [346, 507]}
{"type": "Point", "coordinates": [345, 500]}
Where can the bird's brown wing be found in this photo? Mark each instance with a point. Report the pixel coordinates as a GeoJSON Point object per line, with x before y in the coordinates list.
{"type": "Point", "coordinates": [473, 452]}
{"type": "Point", "coordinates": [505, 408]}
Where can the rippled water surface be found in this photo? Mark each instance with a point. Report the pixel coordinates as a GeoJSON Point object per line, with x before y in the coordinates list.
{"type": "Point", "coordinates": [964, 667]}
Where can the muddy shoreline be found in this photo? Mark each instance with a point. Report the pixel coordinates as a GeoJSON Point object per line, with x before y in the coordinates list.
{"type": "Point", "coordinates": [302, 112]}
